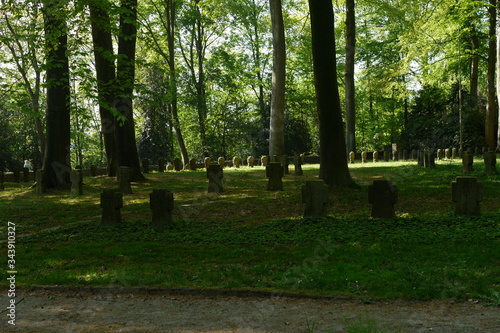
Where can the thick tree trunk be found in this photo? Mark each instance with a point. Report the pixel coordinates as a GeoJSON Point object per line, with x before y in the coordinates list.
{"type": "Point", "coordinates": [349, 76]}
{"type": "Point", "coordinates": [126, 146]}
{"type": "Point", "coordinates": [498, 73]}
{"type": "Point", "coordinates": [491, 108]}
{"type": "Point", "coordinates": [105, 70]}
{"type": "Point", "coordinates": [277, 121]}
{"type": "Point", "coordinates": [56, 163]}
{"type": "Point", "coordinates": [333, 162]}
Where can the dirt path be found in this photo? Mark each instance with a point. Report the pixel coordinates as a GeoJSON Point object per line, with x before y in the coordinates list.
{"type": "Point", "coordinates": [83, 311]}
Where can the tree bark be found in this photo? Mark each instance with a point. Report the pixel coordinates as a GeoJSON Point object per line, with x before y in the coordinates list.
{"type": "Point", "coordinates": [333, 161]}
{"type": "Point", "coordinates": [474, 65]}
{"type": "Point", "coordinates": [57, 162]}
{"type": "Point", "coordinates": [498, 72]}
{"type": "Point", "coordinates": [349, 75]}
{"type": "Point", "coordinates": [105, 71]}
{"type": "Point", "coordinates": [126, 146]}
{"type": "Point", "coordinates": [277, 121]}
{"type": "Point", "coordinates": [491, 108]}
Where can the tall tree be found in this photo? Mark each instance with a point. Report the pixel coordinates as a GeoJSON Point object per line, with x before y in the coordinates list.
{"type": "Point", "coordinates": [105, 71]}
{"type": "Point", "coordinates": [350, 47]}
{"type": "Point", "coordinates": [277, 122]}
{"type": "Point", "coordinates": [56, 163]}
{"type": "Point", "coordinates": [333, 158]}
{"type": "Point", "coordinates": [126, 146]}
{"type": "Point", "coordinates": [498, 71]}
{"type": "Point", "coordinates": [491, 107]}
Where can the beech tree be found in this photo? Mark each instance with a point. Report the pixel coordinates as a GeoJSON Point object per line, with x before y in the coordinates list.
{"type": "Point", "coordinates": [350, 48]}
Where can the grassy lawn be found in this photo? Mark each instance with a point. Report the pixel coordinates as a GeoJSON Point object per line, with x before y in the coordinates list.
{"type": "Point", "coordinates": [248, 237]}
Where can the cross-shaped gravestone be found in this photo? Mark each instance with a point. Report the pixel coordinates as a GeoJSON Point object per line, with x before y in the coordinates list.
{"type": "Point", "coordinates": [375, 156]}
{"type": "Point", "coordinates": [93, 170]}
{"type": "Point", "coordinates": [467, 162]}
{"type": "Point", "coordinates": [111, 203]}
{"type": "Point", "coordinates": [222, 162]}
{"type": "Point", "coordinates": [145, 165]}
{"type": "Point", "coordinates": [297, 161]}
{"type": "Point", "coordinates": [207, 162]}
{"type": "Point", "coordinates": [76, 178]}
{"type": "Point", "coordinates": [490, 161]}
{"type": "Point", "coordinates": [352, 157]}
{"type": "Point", "coordinates": [467, 193]}
{"type": "Point", "coordinates": [363, 156]}
{"type": "Point", "coordinates": [192, 164]}
{"type": "Point", "coordinates": [383, 196]}
{"type": "Point", "coordinates": [315, 196]}
{"type": "Point", "coordinates": [236, 161]}
{"type": "Point", "coordinates": [124, 180]}
{"type": "Point", "coordinates": [274, 171]}
{"type": "Point", "coordinates": [2, 180]}
{"type": "Point", "coordinates": [161, 203]}
{"type": "Point", "coordinates": [215, 175]}
{"type": "Point", "coordinates": [264, 159]}
{"type": "Point", "coordinates": [284, 164]}
{"type": "Point", "coordinates": [250, 161]}
{"type": "Point", "coordinates": [40, 182]}
{"type": "Point", "coordinates": [161, 164]}
{"type": "Point", "coordinates": [177, 164]}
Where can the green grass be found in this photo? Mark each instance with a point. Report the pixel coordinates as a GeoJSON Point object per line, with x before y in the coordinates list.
{"type": "Point", "coordinates": [251, 238]}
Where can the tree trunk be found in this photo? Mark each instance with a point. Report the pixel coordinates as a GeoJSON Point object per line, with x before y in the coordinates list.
{"type": "Point", "coordinates": [349, 75]}
{"type": "Point", "coordinates": [277, 122]}
{"type": "Point", "coordinates": [57, 162]}
{"type": "Point", "coordinates": [170, 11]}
{"type": "Point", "coordinates": [105, 70]}
{"type": "Point", "coordinates": [498, 73]}
{"type": "Point", "coordinates": [333, 161]}
{"type": "Point", "coordinates": [474, 65]}
{"type": "Point", "coordinates": [126, 146]}
{"type": "Point", "coordinates": [491, 109]}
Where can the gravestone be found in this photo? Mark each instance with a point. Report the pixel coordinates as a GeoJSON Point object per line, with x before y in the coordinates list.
{"type": "Point", "coordinates": [315, 196]}
{"type": "Point", "coordinates": [383, 196]}
{"type": "Point", "coordinates": [111, 203]}
{"type": "Point", "coordinates": [467, 193]}
{"type": "Point", "coordinates": [440, 154]}
{"type": "Point", "coordinates": [161, 164]}
{"type": "Point", "coordinates": [386, 156]}
{"type": "Point", "coordinates": [352, 157]}
{"type": "Point", "coordinates": [2, 180]}
{"type": "Point", "coordinates": [429, 159]}
{"type": "Point", "coordinates": [177, 164]}
{"type": "Point", "coordinates": [375, 156]}
{"type": "Point", "coordinates": [76, 178]}
{"type": "Point", "coordinates": [395, 151]}
{"type": "Point", "coordinates": [170, 167]}
{"type": "Point", "coordinates": [40, 182]}
{"type": "Point", "coordinates": [93, 170]}
{"type": "Point", "coordinates": [264, 160]}
{"type": "Point", "coordinates": [250, 161]}
{"type": "Point", "coordinates": [284, 164]}
{"type": "Point", "coordinates": [236, 161]}
{"type": "Point", "coordinates": [447, 153]}
{"type": "Point", "coordinates": [145, 165]}
{"type": "Point", "coordinates": [297, 161]}
{"type": "Point", "coordinates": [490, 162]}
{"type": "Point", "coordinates": [454, 153]}
{"type": "Point", "coordinates": [221, 161]}
{"type": "Point", "coordinates": [215, 175]}
{"type": "Point", "coordinates": [26, 175]}
{"type": "Point", "coordinates": [161, 203]}
{"type": "Point", "coordinates": [192, 164]}
{"type": "Point", "coordinates": [467, 162]}
{"type": "Point", "coordinates": [274, 171]}
{"type": "Point", "coordinates": [207, 162]}
{"type": "Point", "coordinates": [124, 180]}
{"type": "Point", "coordinates": [363, 157]}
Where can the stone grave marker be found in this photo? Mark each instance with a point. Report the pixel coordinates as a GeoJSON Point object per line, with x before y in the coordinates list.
{"type": "Point", "coordinates": [2, 180]}
{"type": "Point", "coordinates": [222, 162]}
{"type": "Point", "coordinates": [386, 156]}
{"type": "Point", "coordinates": [236, 161]}
{"type": "Point", "coordinates": [297, 161]}
{"type": "Point", "coordinates": [192, 164]}
{"type": "Point", "coordinates": [467, 162]}
{"type": "Point", "coordinates": [250, 161]}
{"type": "Point", "coordinates": [264, 160]}
{"type": "Point", "coordinates": [161, 164]}
{"type": "Point", "coordinates": [145, 165]}
{"type": "Point", "coordinates": [111, 204]}
{"type": "Point", "coordinates": [124, 180]}
{"type": "Point", "coordinates": [363, 157]}
{"type": "Point", "coordinates": [215, 175]}
{"type": "Point", "coordinates": [177, 164]}
{"type": "Point", "coordinates": [315, 198]}
{"type": "Point", "coordinates": [40, 182]}
{"type": "Point", "coordinates": [76, 178]}
{"type": "Point", "coordinates": [467, 193]}
{"type": "Point", "coordinates": [447, 153]}
{"type": "Point", "coordinates": [274, 171]}
{"type": "Point", "coordinates": [375, 156]}
{"type": "Point", "coordinates": [93, 170]}
{"type": "Point", "coordinates": [383, 196]}
{"type": "Point", "coordinates": [440, 154]}
{"type": "Point", "coordinates": [429, 159]}
{"type": "Point", "coordinates": [284, 164]}
{"type": "Point", "coordinates": [352, 157]}
{"type": "Point", "coordinates": [161, 203]}
{"type": "Point", "coordinates": [490, 162]}
{"type": "Point", "coordinates": [207, 162]}
{"type": "Point", "coordinates": [170, 167]}
{"type": "Point", "coordinates": [454, 153]}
